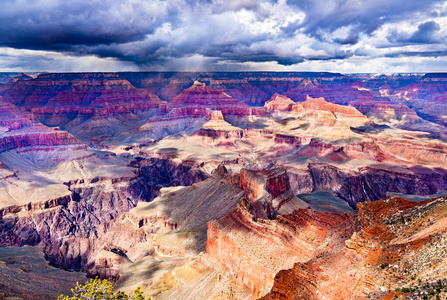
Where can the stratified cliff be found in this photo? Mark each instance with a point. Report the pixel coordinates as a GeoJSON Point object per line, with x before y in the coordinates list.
{"type": "Point", "coordinates": [71, 229]}
{"type": "Point", "coordinates": [252, 252]}
{"type": "Point", "coordinates": [398, 250]}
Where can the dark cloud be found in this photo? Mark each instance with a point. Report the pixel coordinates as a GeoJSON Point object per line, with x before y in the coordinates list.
{"type": "Point", "coordinates": [363, 16]}
{"type": "Point", "coordinates": [55, 24]}
{"type": "Point", "coordinates": [440, 53]}
{"type": "Point", "coordinates": [350, 39]}
{"type": "Point", "coordinates": [426, 33]}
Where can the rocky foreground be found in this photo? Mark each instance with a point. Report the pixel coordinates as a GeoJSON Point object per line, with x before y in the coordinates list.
{"type": "Point", "coordinates": [226, 186]}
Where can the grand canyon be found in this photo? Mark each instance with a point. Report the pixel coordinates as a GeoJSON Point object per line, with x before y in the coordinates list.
{"type": "Point", "coordinates": [238, 185]}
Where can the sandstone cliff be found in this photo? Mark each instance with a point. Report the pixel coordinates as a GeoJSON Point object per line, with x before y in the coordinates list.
{"type": "Point", "coordinates": [397, 251]}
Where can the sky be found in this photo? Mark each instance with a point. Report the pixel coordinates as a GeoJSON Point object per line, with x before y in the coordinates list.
{"type": "Point", "coordinates": [347, 36]}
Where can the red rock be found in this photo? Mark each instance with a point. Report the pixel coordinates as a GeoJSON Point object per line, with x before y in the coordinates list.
{"type": "Point", "coordinates": [241, 89]}
{"type": "Point", "coordinates": [12, 118]}
{"type": "Point", "coordinates": [279, 102]}
{"type": "Point", "coordinates": [427, 96]}
{"type": "Point", "coordinates": [37, 91]}
{"type": "Point", "coordinates": [200, 96]}
{"type": "Point", "coordinates": [321, 104]}
{"type": "Point", "coordinates": [294, 237]}
{"type": "Point", "coordinates": [38, 135]}
{"type": "Point", "coordinates": [388, 251]}
{"type": "Point", "coordinates": [257, 183]}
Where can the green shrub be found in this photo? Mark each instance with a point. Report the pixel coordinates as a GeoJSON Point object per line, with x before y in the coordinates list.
{"type": "Point", "coordinates": [97, 289]}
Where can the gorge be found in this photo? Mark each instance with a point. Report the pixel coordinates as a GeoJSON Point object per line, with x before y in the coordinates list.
{"type": "Point", "coordinates": [243, 185]}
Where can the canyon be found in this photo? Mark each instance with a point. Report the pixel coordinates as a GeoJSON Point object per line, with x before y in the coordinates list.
{"type": "Point", "coordinates": [225, 185]}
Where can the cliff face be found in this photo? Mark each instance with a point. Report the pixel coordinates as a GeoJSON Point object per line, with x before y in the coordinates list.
{"type": "Point", "coordinates": [274, 245]}
{"type": "Point", "coordinates": [202, 96]}
{"type": "Point", "coordinates": [74, 229]}
{"type": "Point", "coordinates": [37, 91]}
{"type": "Point", "coordinates": [155, 173]}
{"type": "Point", "coordinates": [38, 136]}
{"type": "Point", "coordinates": [165, 235]}
{"type": "Point", "coordinates": [397, 245]}
{"type": "Point", "coordinates": [368, 183]}
{"type": "Point", "coordinates": [67, 106]}
{"type": "Point", "coordinates": [12, 118]}
{"type": "Point", "coordinates": [427, 96]}
{"type": "Point", "coordinates": [258, 183]}
{"type": "Point", "coordinates": [90, 105]}
{"type": "Point", "coordinates": [21, 133]}
{"type": "Point", "coordinates": [279, 102]}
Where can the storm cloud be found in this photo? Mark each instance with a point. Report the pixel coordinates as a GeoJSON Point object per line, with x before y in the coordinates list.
{"type": "Point", "coordinates": [217, 35]}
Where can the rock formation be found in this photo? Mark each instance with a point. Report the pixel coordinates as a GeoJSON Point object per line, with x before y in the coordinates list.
{"type": "Point", "coordinates": [279, 102]}
{"type": "Point", "coordinates": [73, 229]}
{"type": "Point", "coordinates": [273, 245]}
{"type": "Point", "coordinates": [397, 251]}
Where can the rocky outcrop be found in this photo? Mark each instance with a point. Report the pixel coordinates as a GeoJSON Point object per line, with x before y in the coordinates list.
{"type": "Point", "coordinates": [426, 96]}
{"type": "Point", "coordinates": [279, 102]}
{"type": "Point", "coordinates": [268, 194]}
{"type": "Point", "coordinates": [72, 230]}
{"type": "Point", "coordinates": [38, 91]}
{"type": "Point", "coordinates": [258, 183]}
{"type": "Point", "coordinates": [12, 118]}
{"type": "Point", "coordinates": [346, 114]}
{"type": "Point", "coordinates": [274, 244]}
{"type": "Point", "coordinates": [20, 132]}
{"type": "Point", "coordinates": [38, 136]}
{"type": "Point", "coordinates": [299, 282]}
{"type": "Point", "coordinates": [318, 118]}
{"type": "Point", "coordinates": [292, 140]}
{"type": "Point", "coordinates": [35, 206]}
{"type": "Point", "coordinates": [367, 183]}
{"type": "Point", "coordinates": [201, 96]}
{"type": "Point", "coordinates": [396, 247]}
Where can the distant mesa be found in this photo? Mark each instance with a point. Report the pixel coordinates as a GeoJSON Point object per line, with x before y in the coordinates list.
{"type": "Point", "coordinates": [203, 96]}
{"type": "Point", "coordinates": [194, 100]}
{"type": "Point", "coordinates": [338, 110]}
{"type": "Point", "coordinates": [21, 77]}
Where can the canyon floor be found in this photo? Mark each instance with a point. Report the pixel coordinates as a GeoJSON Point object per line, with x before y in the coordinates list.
{"type": "Point", "coordinates": [224, 185]}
